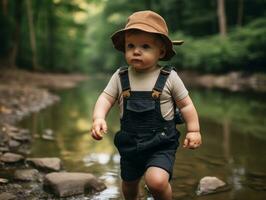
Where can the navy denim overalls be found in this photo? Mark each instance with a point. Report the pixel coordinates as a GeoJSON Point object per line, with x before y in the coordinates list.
{"type": "Point", "coordinates": [143, 129]}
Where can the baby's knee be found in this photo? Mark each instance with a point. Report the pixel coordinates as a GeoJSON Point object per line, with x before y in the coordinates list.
{"type": "Point", "coordinates": [156, 183]}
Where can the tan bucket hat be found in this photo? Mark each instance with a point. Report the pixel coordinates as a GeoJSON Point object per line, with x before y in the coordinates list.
{"type": "Point", "coordinates": [150, 22]}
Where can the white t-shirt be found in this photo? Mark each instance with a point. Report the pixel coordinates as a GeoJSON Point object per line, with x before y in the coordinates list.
{"type": "Point", "coordinates": [174, 89]}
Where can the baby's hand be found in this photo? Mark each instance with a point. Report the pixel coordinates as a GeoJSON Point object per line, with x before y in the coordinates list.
{"type": "Point", "coordinates": [192, 140]}
{"type": "Point", "coordinates": [99, 127]}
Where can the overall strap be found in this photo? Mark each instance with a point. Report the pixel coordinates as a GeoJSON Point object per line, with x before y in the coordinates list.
{"type": "Point", "coordinates": [159, 85]}
{"type": "Point", "coordinates": [123, 74]}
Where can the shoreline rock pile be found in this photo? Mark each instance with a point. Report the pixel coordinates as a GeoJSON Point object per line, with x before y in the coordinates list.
{"type": "Point", "coordinates": [45, 174]}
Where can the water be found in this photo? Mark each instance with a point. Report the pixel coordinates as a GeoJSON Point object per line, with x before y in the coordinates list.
{"type": "Point", "coordinates": [232, 126]}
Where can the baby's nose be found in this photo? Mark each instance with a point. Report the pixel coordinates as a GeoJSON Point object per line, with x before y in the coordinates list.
{"type": "Point", "coordinates": [137, 50]}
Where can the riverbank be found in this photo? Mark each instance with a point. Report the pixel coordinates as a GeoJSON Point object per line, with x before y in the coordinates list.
{"type": "Point", "coordinates": [25, 92]}
{"type": "Point", "coordinates": [232, 81]}
{"type": "Point", "coordinates": [22, 176]}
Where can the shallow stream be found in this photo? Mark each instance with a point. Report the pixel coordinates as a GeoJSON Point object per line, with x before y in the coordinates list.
{"type": "Point", "coordinates": [232, 126]}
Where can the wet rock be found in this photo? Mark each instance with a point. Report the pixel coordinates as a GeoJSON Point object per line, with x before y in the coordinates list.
{"type": "Point", "coordinates": [3, 136]}
{"type": "Point", "coordinates": [8, 128]}
{"type": "Point", "coordinates": [27, 175]}
{"type": "Point", "coordinates": [11, 158]}
{"type": "Point", "coordinates": [7, 196]}
{"type": "Point", "coordinates": [21, 137]}
{"type": "Point", "coordinates": [12, 138]}
{"type": "Point", "coordinates": [3, 181]}
{"type": "Point", "coordinates": [47, 137]}
{"type": "Point", "coordinates": [48, 131]}
{"type": "Point", "coordinates": [48, 134]}
{"type": "Point", "coordinates": [65, 184]}
{"type": "Point", "coordinates": [4, 149]}
{"type": "Point", "coordinates": [209, 184]}
{"type": "Point", "coordinates": [13, 144]}
{"type": "Point", "coordinates": [48, 164]}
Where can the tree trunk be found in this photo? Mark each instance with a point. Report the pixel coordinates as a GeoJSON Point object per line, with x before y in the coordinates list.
{"type": "Point", "coordinates": [12, 56]}
{"type": "Point", "coordinates": [240, 10]}
{"type": "Point", "coordinates": [51, 34]}
{"type": "Point", "coordinates": [221, 17]}
{"type": "Point", "coordinates": [4, 7]}
{"type": "Point", "coordinates": [32, 35]}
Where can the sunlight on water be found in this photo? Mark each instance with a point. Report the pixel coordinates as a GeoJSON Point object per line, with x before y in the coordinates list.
{"type": "Point", "coordinates": [101, 158]}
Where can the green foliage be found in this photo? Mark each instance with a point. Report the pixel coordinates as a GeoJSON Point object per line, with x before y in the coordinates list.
{"type": "Point", "coordinates": [243, 49]}
{"type": "Point", "coordinates": [253, 40]}
{"type": "Point", "coordinates": [75, 35]}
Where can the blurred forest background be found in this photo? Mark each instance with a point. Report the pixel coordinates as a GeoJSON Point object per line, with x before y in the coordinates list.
{"type": "Point", "coordinates": [74, 35]}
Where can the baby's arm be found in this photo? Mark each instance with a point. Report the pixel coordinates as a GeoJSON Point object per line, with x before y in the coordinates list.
{"type": "Point", "coordinates": [102, 107]}
{"type": "Point", "coordinates": [189, 113]}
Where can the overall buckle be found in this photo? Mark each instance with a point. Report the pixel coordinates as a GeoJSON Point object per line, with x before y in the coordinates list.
{"type": "Point", "coordinates": [126, 93]}
{"type": "Point", "coordinates": [155, 94]}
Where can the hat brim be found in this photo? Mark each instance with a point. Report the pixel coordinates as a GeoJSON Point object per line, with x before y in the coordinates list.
{"type": "Point", "coordinates": [118, 39]}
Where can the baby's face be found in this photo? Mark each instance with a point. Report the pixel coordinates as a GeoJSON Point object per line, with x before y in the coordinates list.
{"type": "Point", "coordinates": [143, 50]}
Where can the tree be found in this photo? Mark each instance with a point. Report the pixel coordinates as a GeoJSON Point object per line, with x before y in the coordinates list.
{"type": "Point", "coordinates": [16, 34]}
{"type": "Point", "coordinates": [240, 10]}
{"type": "Point", "coordinates": [4, 7]}
{"type": "Point", "coordinates": [221, 17]}
{"type": "Point", "coordinates": [32, 35]}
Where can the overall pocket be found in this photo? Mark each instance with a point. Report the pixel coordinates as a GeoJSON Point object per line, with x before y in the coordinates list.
{"type": "Point", "coordinates": [140, 105]}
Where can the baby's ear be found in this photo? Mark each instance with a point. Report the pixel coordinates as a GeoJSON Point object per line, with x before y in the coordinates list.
{"type": "Point", "coordinates": [162, 52]}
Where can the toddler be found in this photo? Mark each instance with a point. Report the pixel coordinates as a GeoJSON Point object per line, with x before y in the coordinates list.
{"type": "Point", "coordinates": [147, 95]}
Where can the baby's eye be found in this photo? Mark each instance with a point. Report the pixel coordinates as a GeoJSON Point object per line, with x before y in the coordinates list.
{"type": "Point", "coordinates": [145, 46]}
{"type": "Point", "coordinates": [130, 46]}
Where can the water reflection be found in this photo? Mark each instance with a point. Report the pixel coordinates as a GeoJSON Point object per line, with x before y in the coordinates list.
{"type": "Point", "coordinates": [234, 139]}
{"type": "Point", "coordinates": [101, 158]}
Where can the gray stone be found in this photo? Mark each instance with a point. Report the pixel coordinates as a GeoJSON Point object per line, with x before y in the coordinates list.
{"type": "Point", "coordinates": [48, 134]}
{"type": "Point", "coordinates": [48, 137]}
{"type": "Point", "coordinates": [4, 149]}
{"type": "Point", "coordinates": [3, 181]}
{"type": "Point", "coordinates": [27, 175]}
{"type": "Point", "coordinates": [3, 135]}
{"type": "Point", "coordinates": [49, 164]}
{"type": "Point", "coordinates": [65, 184]}
{"type": "Point", "coordinates": [13, 143]}
{"type": "Point", "coordinates": [21, 137]}
{"type": "Point", "coordinates": [7, 196]}
{"type": "Point", "coordinates": [209, 184]}
{"type": "Point", "coordinates": [11, 158]}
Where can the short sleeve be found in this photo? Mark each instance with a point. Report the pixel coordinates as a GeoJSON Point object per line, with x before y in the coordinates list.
{"type": "Point", "coordinates": [112, 87]}
{"type": "Point", "coordinates": [177, 86]}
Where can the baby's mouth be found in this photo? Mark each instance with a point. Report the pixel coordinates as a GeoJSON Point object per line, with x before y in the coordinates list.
{"type": "Point", "coordinates": [136, 60]}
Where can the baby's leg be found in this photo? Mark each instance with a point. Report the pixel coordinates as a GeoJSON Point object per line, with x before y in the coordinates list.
{"type": "Point", "coordinates": [130, 189]}
{"type": "Point", "coordinates": [157, 181]}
